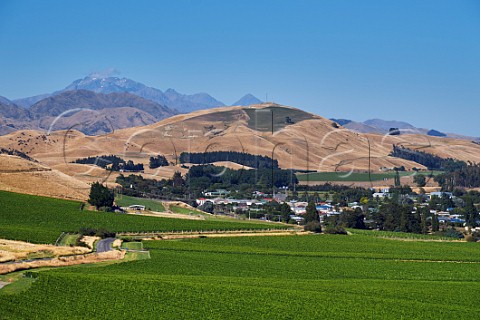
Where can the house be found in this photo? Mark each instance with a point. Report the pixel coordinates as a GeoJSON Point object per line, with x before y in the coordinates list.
{"type": "Point", "coordinates": [384, 189]}
{"type": "Point", "coordinates": [324, 208]}
{"type": "Point", "coordinates": [201, 201]}
{"type": "Point", "coordinates": [380, 195]}
{"type": "Point", "coordinates": [217, 193]}
{"type": "Point", "coordinates": [280, 197]}
{"type": "Point", "coordinates": [136, 207]}
{"type": "Point", "coordinates": [296, 218]}
{"type": "Point", "coordinates": [440, 194]}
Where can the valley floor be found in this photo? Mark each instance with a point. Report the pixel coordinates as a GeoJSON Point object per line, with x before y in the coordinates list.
{"type": "Point", "coordinates": [290, 277]}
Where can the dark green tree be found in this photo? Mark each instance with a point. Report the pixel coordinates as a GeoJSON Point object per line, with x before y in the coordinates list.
{"type": "Point", "coordinates": [207, 207]}
{"type": "Point", "coordinates": [285, 211]}
{"type": "Point", "coordinates": [471, 213]}
{"type": "Point", "coordinates": [311, 212]}
{"type": "Point", "coordinates": [446, 202]}
{"type": "Point", "coordinates": [353, 219]}
{"type": "Point", "coordinates": [420, 180]}
{"type": "Point", "coordinates": [158, 161]}
{"type": "Point", "coordinates": [397, 182]}
{"type": "Point", "coordinates": [424, 213]}
{"type": "Point", "coordinates": [100, 196]}
{"type": "Point", "coordinates": [435, 223]}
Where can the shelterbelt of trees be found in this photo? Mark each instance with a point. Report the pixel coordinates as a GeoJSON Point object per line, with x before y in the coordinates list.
{"type": "Point", "coordinates": [208, 177]}
{"type": "Point", "coordinates": [456, 173]}
{"type": "Point", "coordinates": [242, 158]}
{"type": "Point", "coordinates": [111, 162]}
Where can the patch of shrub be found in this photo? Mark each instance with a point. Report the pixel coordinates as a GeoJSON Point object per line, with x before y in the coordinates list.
{"type": "Point", "coordinates": [335, 230]}
{"type": "Point", "coordinates": [453, 233]}
{"type": "Point", "coordinates": [313, 226]}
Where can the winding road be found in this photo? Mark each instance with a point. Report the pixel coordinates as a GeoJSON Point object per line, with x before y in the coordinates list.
{"type": "Point", "coordinates": [105, 245]}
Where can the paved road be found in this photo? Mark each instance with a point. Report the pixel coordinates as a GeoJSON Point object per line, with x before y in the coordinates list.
{"type": "Point", "coordinates": [105, 245]}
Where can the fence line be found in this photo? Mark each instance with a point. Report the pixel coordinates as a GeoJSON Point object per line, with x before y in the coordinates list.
{"type": "Point", "coordinates": [174, 232]}
{"type": "Point", "coordinates": [60, 238]}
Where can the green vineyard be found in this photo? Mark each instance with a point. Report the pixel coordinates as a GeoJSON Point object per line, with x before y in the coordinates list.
{"type": "Point", "coordinates": [296, 277]}
{"type": "Point", "coordinates": [42, 220]}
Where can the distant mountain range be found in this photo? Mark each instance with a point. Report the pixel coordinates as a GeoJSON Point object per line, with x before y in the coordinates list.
{"type": "Point", "coordinates": [99, 105]}
{"type": "Point", "coordinates": [139, 105]}
{"type": "Point", "coordinates": [184, 103]}
{"type": "Point", "coordinates": [383, 127]}
{"type": "Point", "coordinates": [86, 111]}
{"type": "Point", "coordinates": [84, 99]}
{"type": "Point", "coordinates": [247, 100]}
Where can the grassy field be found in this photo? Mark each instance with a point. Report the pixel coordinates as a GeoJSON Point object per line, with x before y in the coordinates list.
{"type": "Point", "coordinates": [187, 211]}
{"type": "Point", "coordinates": [132, 245]}
{"type": "Point", "coordinates": [69, 240]}
{"type": "Point", "coordinates": [355, 176]}
{"type": "Point", "coordinates": [152, 205]}
{"type": "Point", "coordinates": [42, 220]}
{"type": "Point", "coordinates": [297, 277]}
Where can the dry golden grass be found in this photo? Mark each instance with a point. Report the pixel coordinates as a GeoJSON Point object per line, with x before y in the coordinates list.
{"type": "Point", "coordinates": [89, 240]}
{"type": "Point", "coordinates": [64, 261]}
{"type": "Point", "coordinates": [312, 144]}
{"type": "Point", "coordinates": [18, 250]}
{"type": "Point", "coordinates": [88, 173]}
{"type": "Point", "coordinates": [14, 164]}
{"type": "Point", "coordinates": [47, 183]}
{"type": "Point", "coordinates": [117, 243]}
{"type": "Point", "coordinates": [23, 176]}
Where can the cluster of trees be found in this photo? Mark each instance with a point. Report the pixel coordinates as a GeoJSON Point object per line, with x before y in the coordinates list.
{"type": "Point", "coordinates": [394, 214]}
{"type": "Point", "coordinates": [390, 216]}
{"type": "Point", "coordinates": [429, 160]}
{"type": "Point", "coordinates": [245, 159]}
{"type": "Point", "coordinates": [348, 219]}
{"type": "Point", "coordinates": [205, 177]}
{"type": "Point", "coordinates": [394, 131]}
{"type": "Point", "coordinates": [101, 161]}
{"type": "Point", "coordinates": [102, 233]}
{"type": "Point", "coordinates": [396, 217]}
{"type": "Point", "coordinates": [158, 161]}
{"type": "Point", "coordinates": [112, 163]}
{"type": "Point", "coordinates": [456, 173]}
{"type": "Point", "coordinates": [340, 193]}
{"type": "Point", "coordinates": [100, 196]}
{"type": "Point", "coordinates": [273, 208]}
{"type": "Point", "coordinates": [138, 186]}
{"type": "Point", "coordinates": [14, 152]}
{"type": "Point", "coordinates": [461, 175]}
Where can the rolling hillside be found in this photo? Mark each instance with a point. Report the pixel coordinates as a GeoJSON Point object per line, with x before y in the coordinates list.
{"type": "Point", "coordinates": [23, 176]}
{"type": "Point", "coordinates": [296, 139]}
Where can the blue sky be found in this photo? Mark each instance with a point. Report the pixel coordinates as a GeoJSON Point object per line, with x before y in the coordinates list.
{"type": "Point", "coordinates": [417, 61]}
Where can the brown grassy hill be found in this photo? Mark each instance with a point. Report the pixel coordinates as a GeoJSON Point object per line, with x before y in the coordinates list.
{"type": "Point", "coordinates": [444, 147]}
{"type": "Point", "coordinates": [295, 138]}
{"type": "Point", "coordinates": [23, 176]}
{"type": "Point", "coordinates": [305, 141]}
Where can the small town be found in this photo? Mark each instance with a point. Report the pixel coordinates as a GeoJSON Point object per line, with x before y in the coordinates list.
{"type": "Point", "coordinates": [254, 159]}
